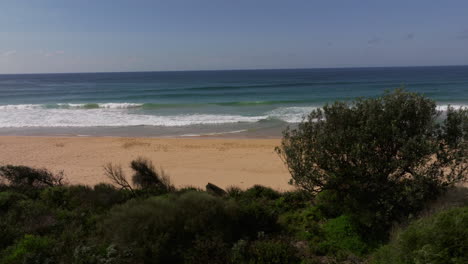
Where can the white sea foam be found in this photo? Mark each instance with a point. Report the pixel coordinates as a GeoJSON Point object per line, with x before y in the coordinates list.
{"type": "Point", "coordinates": [119, 105]}
{"type": "Point", "coordinates": [99, 105]}
{"type": "Point", "coordinates": [293, 114]}
{"type": "Point", "coordinates": [455, 106]}
{"type": "Point", "coordinates": [71, 106]}
{"type": "Point", "coordinates": [214, 133]}
{"type": "Point", "coordinates": [119, 114]}
{"type": "Point", "coordinates": [20, 107]}
{"type": "Point", "coordinates": [10, 118]}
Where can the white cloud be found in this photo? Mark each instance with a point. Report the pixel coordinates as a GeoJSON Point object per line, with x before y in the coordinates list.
{"type": "Point", "coordinates": [9, 53]}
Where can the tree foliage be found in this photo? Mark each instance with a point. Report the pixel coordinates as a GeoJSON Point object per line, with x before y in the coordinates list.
{"type": "Point", "coordinates": [145, 176]}
{"type": "Point", "coordinates": [381, 158]}
{"type": "Point", "coordinates": [22, 176]}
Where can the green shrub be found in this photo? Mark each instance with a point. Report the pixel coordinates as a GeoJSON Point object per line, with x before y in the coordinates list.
{"type": "Point", "coordinates": [383, 158]}
{"type": "Point", "coordinates": [31, 216]}
{"type": "Point", "coordinates": [29, 250]}
{"type": "Point", "coordinates": [259, 191]}
{"type": "Point", "coordinates": [8, 234]}
{"type": "Point", "coordinates": [258, 209]}
{"type": "Point", "coordinates": [341, 237]}
{"type": "Point", "coordinates": [162, 228]}
{"type": "Point", "coordinates": [9, 198]}
{"type": "Point", "coordinates": [265, 251]}
{"type": "Point", "coordinates": [328, 203]}
{"type": "Point", "coordinates": [234, 191]}
{"type": "Point", "coordinates": [84, 198]}
{"type": "Point", "coordinates": [189, 189]}
{"type": "Point", "coordinates": [106, 195]}
{"type": "Point", "coordinates": [207, 249]}
{"type": "Point", "coordinates": [90, 254]}
{"type": "Point", "coordinates": [272, 252]}
{"type": "Point", "coordinates": [437, 239]}
{"type": "Point", "coordinates": [293, 200]}
{"type": "Point", "coordinates": [58, 196]}
{"type": "Point", "coordinates": [303, 224]}
{"type": "Point", "coordinates": [258, 216]}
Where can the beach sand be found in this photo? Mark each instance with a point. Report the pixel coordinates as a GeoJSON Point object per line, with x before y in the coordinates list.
{"type": "Point", "coordinates": [188, 162]}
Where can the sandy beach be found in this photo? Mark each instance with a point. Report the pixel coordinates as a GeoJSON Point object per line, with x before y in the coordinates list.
{"type": "Point", "coordinates": [189, 162]}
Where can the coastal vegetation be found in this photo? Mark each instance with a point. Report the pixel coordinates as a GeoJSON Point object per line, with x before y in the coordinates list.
{"type": "Point", "coordinates": [376, 183]}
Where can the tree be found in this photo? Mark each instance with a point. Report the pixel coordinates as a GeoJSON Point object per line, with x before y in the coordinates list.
{"type": "Point", "coordinates": [23, 176]}
{"type": "Point", "coordinates": [380, 158]}
{"type": "Point", "coordinates": [145, 176]}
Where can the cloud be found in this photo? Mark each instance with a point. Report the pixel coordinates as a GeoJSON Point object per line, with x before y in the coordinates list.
{"type": "Point", "coordinates": [463, 35]}
{"type": "Point", "coordinates": [53, 53]}
{"type": "Point", "coordinates": [409, 36]}
{"type": "Point", "coordinates": [9, 53]}
{"type": "Point", "coordinates": [374, 40]}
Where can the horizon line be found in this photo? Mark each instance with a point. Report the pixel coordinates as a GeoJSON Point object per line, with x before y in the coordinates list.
{"type": "Point", "coordinates": [247, 69]}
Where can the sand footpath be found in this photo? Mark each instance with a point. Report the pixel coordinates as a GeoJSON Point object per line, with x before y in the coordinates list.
{"type": "Point", "coordinates": [194, 162]}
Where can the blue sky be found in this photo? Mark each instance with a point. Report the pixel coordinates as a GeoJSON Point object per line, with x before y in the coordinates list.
{"type": "Point", "coordinates": [143, 35]}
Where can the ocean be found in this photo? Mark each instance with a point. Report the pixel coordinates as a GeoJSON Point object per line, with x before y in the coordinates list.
{"type": "Point", "coordinates": [251, 103]}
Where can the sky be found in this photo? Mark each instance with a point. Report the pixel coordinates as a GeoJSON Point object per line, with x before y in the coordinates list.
{"type": "Point", "coordinates": [40, 36]}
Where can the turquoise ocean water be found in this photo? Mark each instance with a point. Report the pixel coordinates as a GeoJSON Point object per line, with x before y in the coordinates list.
{"type": "Point", "coordinates": [238, 103]}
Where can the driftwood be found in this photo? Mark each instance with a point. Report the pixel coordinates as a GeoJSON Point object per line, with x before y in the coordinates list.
{"type": "Point", "coordinates": [215, 190]}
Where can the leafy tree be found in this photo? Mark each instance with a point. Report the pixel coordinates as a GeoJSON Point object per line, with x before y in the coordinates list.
{"type": "Point", "coordinates": [380, 158]}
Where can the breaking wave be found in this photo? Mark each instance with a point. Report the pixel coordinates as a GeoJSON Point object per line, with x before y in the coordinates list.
{"type": "Point", "coordinates": [120, 114]}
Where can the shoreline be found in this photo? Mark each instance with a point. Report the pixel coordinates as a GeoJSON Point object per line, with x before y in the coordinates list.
{"type": "Point", "coordinates": [241, 130]}
{"type": "Point", "coordinates": [191, 161]}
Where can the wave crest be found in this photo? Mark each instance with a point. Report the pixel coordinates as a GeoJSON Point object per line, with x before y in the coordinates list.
{"type": "Point", "coordinates": [115, 115]}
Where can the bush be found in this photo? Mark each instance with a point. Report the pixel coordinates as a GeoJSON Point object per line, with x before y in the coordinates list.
{"type": "Point", "coordinates": [328, 203]}
{"type": "Point", "coordinates": [259, 191]}
{"type": "Point", "coordinates": [234, 191]}
{"type": "Point", "coordinates": [272, 252]}
{"type": "Point", "coordinates": [438, 239]}
{"type": "Point", "coordinates": [294, 200]}
{"type": "Point", "coordinates": [204, 250]}
{"type": "Point", "coordinates": [84, 254]}
{"type": "Point", "coordinates": [29, 250]}
{"type": "Point", "coordinates": [381, 158]}
{"type": "Point", "coordinates": [84, 198]}
{"type": "Point", "coordinates": [342, 237]}
{"type": "Point", "coordinates": [162, 228]}
{"type": "Point", "coordinates": [258, 217]}
{"type": "Point", "coordinates": [31, 216]}
{"type": "Point", "coordinates": [303, 224]}
{"type": "Point", "coordinates": [8, 234]}
{"type": "Point", "coordinates": [22, 176]}
{"type": "Point", "coordinates": [8, 198]}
